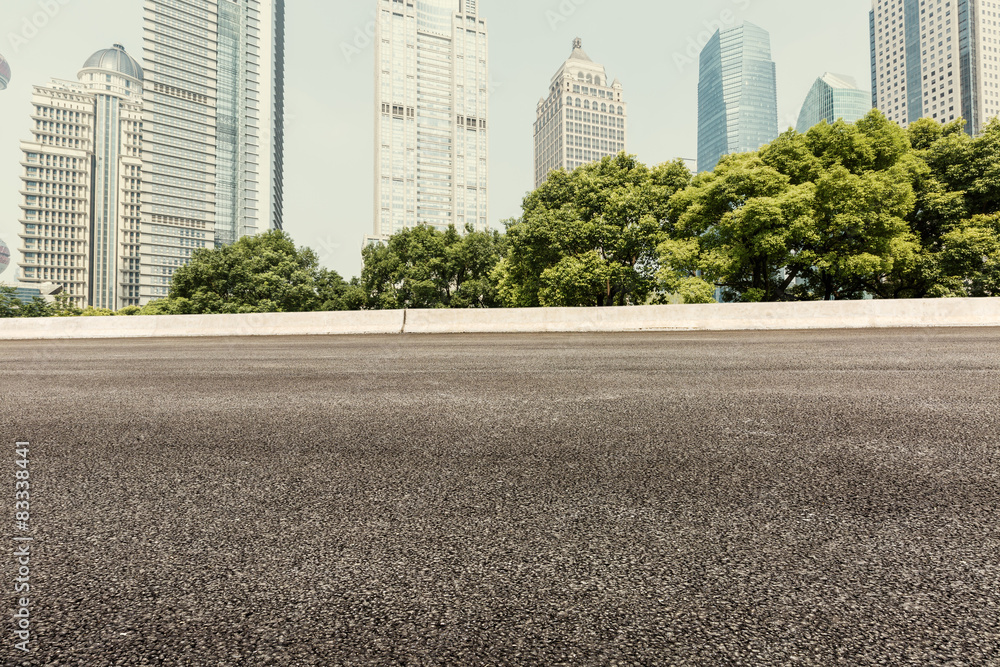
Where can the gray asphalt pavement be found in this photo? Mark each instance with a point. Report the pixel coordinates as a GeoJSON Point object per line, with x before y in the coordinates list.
{"type": "Point", "coordinates": [792, 498]}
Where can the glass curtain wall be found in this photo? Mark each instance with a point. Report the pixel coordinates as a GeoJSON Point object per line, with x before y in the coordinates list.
{"type": "Point", "coordinates": [228, 123]}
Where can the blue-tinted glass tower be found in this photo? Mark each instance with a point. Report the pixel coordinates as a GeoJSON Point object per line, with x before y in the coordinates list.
{"type": "Point", "coordinates": [833, 97]}
{"type": "Point", "coordinates": [737, 94]}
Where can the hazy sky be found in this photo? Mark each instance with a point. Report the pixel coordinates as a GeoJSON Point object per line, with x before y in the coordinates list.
{"type": "Point", "coordinates": [652, 46]}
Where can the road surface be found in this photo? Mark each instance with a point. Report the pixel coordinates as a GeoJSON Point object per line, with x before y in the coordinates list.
{"type": "Point", "coordinates": [811, 498]}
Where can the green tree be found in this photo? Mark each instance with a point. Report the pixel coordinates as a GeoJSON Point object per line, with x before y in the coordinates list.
{"type": "Point", "coordinates": [970, 258]}
{"type": "Point", "coordinates": [589, 238]}
{"type": "Point", "coordinates": [9, 305]}
{"type": "Point", "coordinates": [739, 228]}
{"type": "Point", "coordinates": [820, 215]}
{"type": "Point", "coordinates": [257, 274]}
{"type": "Point", "coordinates": [422, 267]}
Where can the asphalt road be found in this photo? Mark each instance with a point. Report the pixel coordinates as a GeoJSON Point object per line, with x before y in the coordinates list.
{"type": "Point", "coordinates": [823, 498]}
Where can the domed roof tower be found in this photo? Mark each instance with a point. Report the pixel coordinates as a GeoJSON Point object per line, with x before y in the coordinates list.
{"type": "Point", "coordinates": [114, 59]}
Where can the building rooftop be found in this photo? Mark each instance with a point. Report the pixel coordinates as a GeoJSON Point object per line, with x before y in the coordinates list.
{"type": "Point", "coordinates": [115, 59]}
{"type": "Point", "coordinates": [840, 81]}
{"type": "Point", "coordinates": [578, 52]}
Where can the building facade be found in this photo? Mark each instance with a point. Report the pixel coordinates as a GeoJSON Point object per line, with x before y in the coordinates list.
{"type": "Point", "coordinates": [833, 97]}
{"type": "Point", "coordinates": [4, 73]}
{"type": "Point", "coordinates": [212, 129]}
{"type": "Point", "coordinates": [583, 119]}
{"type": "Point", "coordinates": [737, 94]}
{"type": "Point", "coordinates": [81, 179]}
{"type": "Point", "coordinates": [431, 116]}
{"type": "Point", "coordinates": [937, 60]}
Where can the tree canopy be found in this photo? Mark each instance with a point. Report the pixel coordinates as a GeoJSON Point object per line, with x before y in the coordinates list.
{"type": "Point", "coordinates": [589, 237]}
{"type": "Point", "coordinates": [843, 211]}
{"type": "Point", "coordinates": [256, 274]}
{"type": "Point", "coordinates": [422, 267]}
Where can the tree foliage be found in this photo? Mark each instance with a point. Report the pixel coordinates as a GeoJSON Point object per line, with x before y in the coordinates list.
{"type": "Point", "coordinates": [843, 211]}
{"type": "Point", "coordinates": [589, 238]}
{"type": "Point", "coordinates": [426, 268]}
{"type": "Point", "coordinates": [257, 274]}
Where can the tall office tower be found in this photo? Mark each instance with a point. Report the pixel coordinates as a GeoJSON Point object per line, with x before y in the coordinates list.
{"type": "Point", "coordinates": [212, 129]}
{"type": "Point", "coordinates": [82, 176]}
{"type": "Point", "coordinates": [584, 118]}
{"type": "Point", "coordinates": [938, 60]}
{"type": "Point", "coordinates": [737, 94]}
{"type": "Point", "coordinates": [4, 73]}
{"type": "Point", "coordinates": [431, 116]}
{"type": "Point", "coordinates": [833, 97]}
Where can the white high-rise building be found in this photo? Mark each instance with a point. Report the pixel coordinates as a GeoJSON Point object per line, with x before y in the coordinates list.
{"type": "Point", "coordinates": [212, 129]}
{"type": "Point", "coordinates": [583, 119]}
{"type": "Point", "coordinates": [431, 116]}
{"type": "Point", "coordinates": [81, 176]}
{"type": "Point", "coordinates": [936, 59]}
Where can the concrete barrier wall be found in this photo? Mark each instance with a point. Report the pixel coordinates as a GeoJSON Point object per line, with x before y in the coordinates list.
{"type": "Point", "coordinates": [710, 317]}
{"type": "Point", "coordinates": [167, 326]}
{"type": "Point", "coordinates": [714, 317]}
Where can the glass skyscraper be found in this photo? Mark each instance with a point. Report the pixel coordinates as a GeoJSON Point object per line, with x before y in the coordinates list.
{"type": "Point", "coordinates": [431, 115]}
{"type": "Point", "coordinates": [833, 97]}
{"type": "Point", "coordinates": [4, 73]}
{"type": "Point", "coordinates": [212, 129]}
{"type": "Point", "coordinates": [737, 94]}
{"type": "Point", "coordinates": [937, 60]}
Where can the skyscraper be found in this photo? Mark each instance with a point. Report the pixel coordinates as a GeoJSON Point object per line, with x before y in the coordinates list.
{"type": "Point", "coordinates": [212, 129]}
{"type": "Point", "coordinates": [4, 73]}
{"type": "Point", "coordinates": [938, 60]}
{"type": "Point", "coordinates": [582, 120]}
{"type": "Point", "coordinates": [833, 97]}
{"type": "Point", "coordinates": [737, 94]}
{"type": "Point", "coordinates": [81, 183]}
{"type": "Point", "coordinates": [431, 115]}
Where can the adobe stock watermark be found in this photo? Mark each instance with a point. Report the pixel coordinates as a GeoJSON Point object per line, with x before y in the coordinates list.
{"type": "Point", "coordinates": [727, 18]}
{"type": "Point", "coordinates": [22, 548]}
{"type": "Point", "coordinates": [363, 38]}
{"type": "Point", "coordinates": [32, 24]}
{"type": "Point", "coordinates": [563, 12]}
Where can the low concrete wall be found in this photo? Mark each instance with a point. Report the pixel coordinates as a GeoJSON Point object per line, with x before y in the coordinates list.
{"type": "Point", "coordinates": [167, 326]}
{"type": "Point", "coordinates": [711, 317]}
{"type": "Point", "coordinates": [715, 317]}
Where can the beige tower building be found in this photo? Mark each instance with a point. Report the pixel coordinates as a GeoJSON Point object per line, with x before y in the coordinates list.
{"type": "Point", "coordinates": [583, 119]}
{"type": "Point", "coordinates": [81, 178]}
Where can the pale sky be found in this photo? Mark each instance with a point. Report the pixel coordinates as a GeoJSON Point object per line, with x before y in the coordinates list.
{"type": "Point", "coordinates": [652, 46]}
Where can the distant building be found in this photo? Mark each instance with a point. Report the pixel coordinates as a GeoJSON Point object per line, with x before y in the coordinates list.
{"type": "Point", "coordinates": [583, 119]}
{"type": "Point", "coordinates": [833, 97]}
{"type": "Point", "coordinates": [212, 129]}
{"type": "Point", "coordinates": [431, 115]}
{"type": "Point", "coordinates": [4, 73]}
{"type": "Point", "coordinates": [44, 291]}
{"type": "Point", "coordinates": [936, 60]}
{"type": "Point", "coordinates": [81, 182]}
{"type": "Point", "coordinates": [737, 94]}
